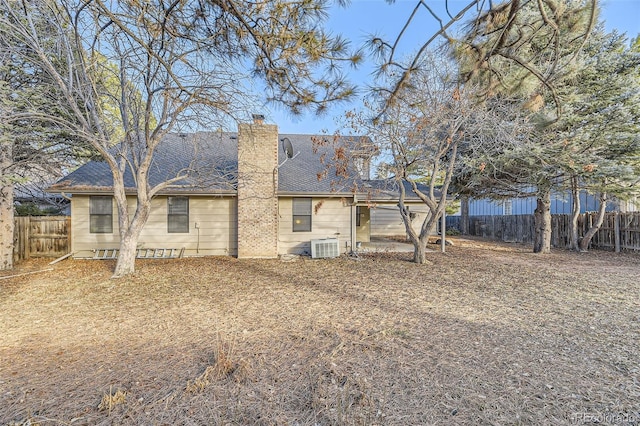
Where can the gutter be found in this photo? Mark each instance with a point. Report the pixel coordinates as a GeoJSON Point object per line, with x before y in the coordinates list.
{"type": "Point", "coordinates": [131, 192]}
{"type": "Point", "coordinates": [316, 194]}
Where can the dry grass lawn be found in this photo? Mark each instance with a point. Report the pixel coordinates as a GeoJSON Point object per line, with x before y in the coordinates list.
{"type": "Point", "coordinates": [485, 334]}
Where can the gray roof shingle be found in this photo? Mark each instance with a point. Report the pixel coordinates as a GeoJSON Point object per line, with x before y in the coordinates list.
{"type": "Point", "coordinates": [208, 162]}
{"type": "Point", "coordinates": [388, 189]}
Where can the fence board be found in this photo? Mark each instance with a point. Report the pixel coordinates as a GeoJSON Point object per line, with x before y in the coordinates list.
{"type": "Point", "coordinates": [41, 236]}
{"type": "Point", "coordinates": [520, 229]}
{"type": "Point", "coordinates": [20, 239]}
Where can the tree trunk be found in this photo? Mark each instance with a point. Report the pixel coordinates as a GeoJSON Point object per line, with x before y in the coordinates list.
{"type": "Point", "coordinates": [542, 220]}
{"type": "Point", "coordinates": [464, 216]}
{"type": "Point", "coordinates": [588, 236]}
{"type": "Point", "coordinates": [419, 245]}
{"type": "Point", "coordinates": [126, 263]}
{"type": "Point", "coordinates": [420, 251]}
{"type": "Point", "coordinates": [575, 214]}
{"type": "Point", "coordinates": [6, 227]}
{"type": "Point", "coordinates": [6, 205]}
{"type": "Point", "coordinates": [419, 241]}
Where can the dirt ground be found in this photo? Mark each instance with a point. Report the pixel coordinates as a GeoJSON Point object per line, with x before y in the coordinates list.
{"type": "Point", "coordinates": [484, 334]}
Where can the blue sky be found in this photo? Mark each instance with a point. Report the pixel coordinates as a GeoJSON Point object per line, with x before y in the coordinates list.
{"type": "Point", "coordinates": [365, 17]}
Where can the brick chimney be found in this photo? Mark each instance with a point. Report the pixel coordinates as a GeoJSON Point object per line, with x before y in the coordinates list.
{"type": "Point", "coordinates": [257, 189]}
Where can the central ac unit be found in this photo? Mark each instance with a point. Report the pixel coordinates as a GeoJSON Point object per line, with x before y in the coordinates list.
{"type": "Point", "coordinates": [328, 247]}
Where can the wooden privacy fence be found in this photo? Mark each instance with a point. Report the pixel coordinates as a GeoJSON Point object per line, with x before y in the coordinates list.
{"type": "Point", "coordinates": [620, 231]}
{"type": "Point", "coordinates": [41, 236]}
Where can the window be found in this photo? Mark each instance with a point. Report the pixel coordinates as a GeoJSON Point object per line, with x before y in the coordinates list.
{"type": "Point", "coordinates": [302, 215]}
{"type": "Point", "coordinates": [358, 213]}
{"type": "Point", "coordinates": [101, 214]}
{"type": "Point", "coordinates": [507, 207]}
{"type": "Point", "coordinates": [178, 215]}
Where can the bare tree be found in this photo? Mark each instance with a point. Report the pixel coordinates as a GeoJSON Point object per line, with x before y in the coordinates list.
{"type": "Point", "coordinates": [514, 48]}
{"type": "Point", "coordinates": [176, 65]}
{"type": "Point", "coordinates": [427, 133]}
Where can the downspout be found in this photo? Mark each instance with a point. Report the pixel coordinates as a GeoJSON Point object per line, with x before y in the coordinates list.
{"type": "Point", "coordinates": [70, 223]}
{"type": "Point", "coordinates": [353, 222]}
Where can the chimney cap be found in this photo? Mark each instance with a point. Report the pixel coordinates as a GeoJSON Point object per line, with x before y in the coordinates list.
{"type": "Point", "coordinates": [258, 118]}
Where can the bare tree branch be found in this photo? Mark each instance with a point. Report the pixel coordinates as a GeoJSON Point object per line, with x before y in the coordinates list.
{"type": "Point", "coordinates": [509, 31]}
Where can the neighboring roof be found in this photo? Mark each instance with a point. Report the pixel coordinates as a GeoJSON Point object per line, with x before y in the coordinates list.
{"type": "Point", "coordinates": [25, 192]}
{"type": "Point", "coordinates": [311, 171]}
{"type": "Point", "coordinates": [388, 189]}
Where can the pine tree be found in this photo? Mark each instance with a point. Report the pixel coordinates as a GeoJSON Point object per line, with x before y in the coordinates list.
{"type": "Point", "coordinates": [600, 126]}
{"type": "Point", "coordinates": [538, 55]}
{"type": "Point", "coordinates": [33, 148]}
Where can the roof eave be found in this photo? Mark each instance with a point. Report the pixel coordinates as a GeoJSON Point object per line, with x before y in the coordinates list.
{"type": "Point", "coordinates": [314, 194]}
{"type": "Point", "coordinates": [131, 191]}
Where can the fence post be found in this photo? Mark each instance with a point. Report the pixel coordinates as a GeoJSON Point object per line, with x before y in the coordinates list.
{"type": "Point", "coordinates": [22, 225]}
{"type": "Point", "coordinates": [616, 230]}
{"type": "Point", "coordinates": [27, 239]}
{"type": "Point", "coordinates": [493, 227]}
{"type": "Point", "coordinates": [464, 215]}
{"type": "Point", "coordinates": [68, 228]}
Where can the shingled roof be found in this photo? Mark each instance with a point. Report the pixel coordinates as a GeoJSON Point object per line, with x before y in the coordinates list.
{"type": "Point", "coordinates": [388, 189]}
{"type": "Point", "coordinates": [208, 162]}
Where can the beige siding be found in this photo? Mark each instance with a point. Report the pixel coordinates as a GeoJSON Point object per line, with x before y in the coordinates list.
{"type": "Point", "coordinates": [330, 218]}
{"type": "Point", "coordinates": [386, 220]}
{"type": "Point", "coordinates": [82, 241]}
{"type": "Point", "coordinates": [363, 232]}
{"type": "Point", "coordinates": [216, 233]}
{"type": "Point", "coordinates": [217, 226]}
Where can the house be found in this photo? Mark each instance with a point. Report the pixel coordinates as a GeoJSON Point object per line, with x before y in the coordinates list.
{"type": "Point", "coordinates": [561, 203]}
{"type": "Point", "coordinates": [251, 194]}
{"type": "Point", "coordinates": [31, 199]}
{"type": "Point", "coordinates": [384, 217]}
